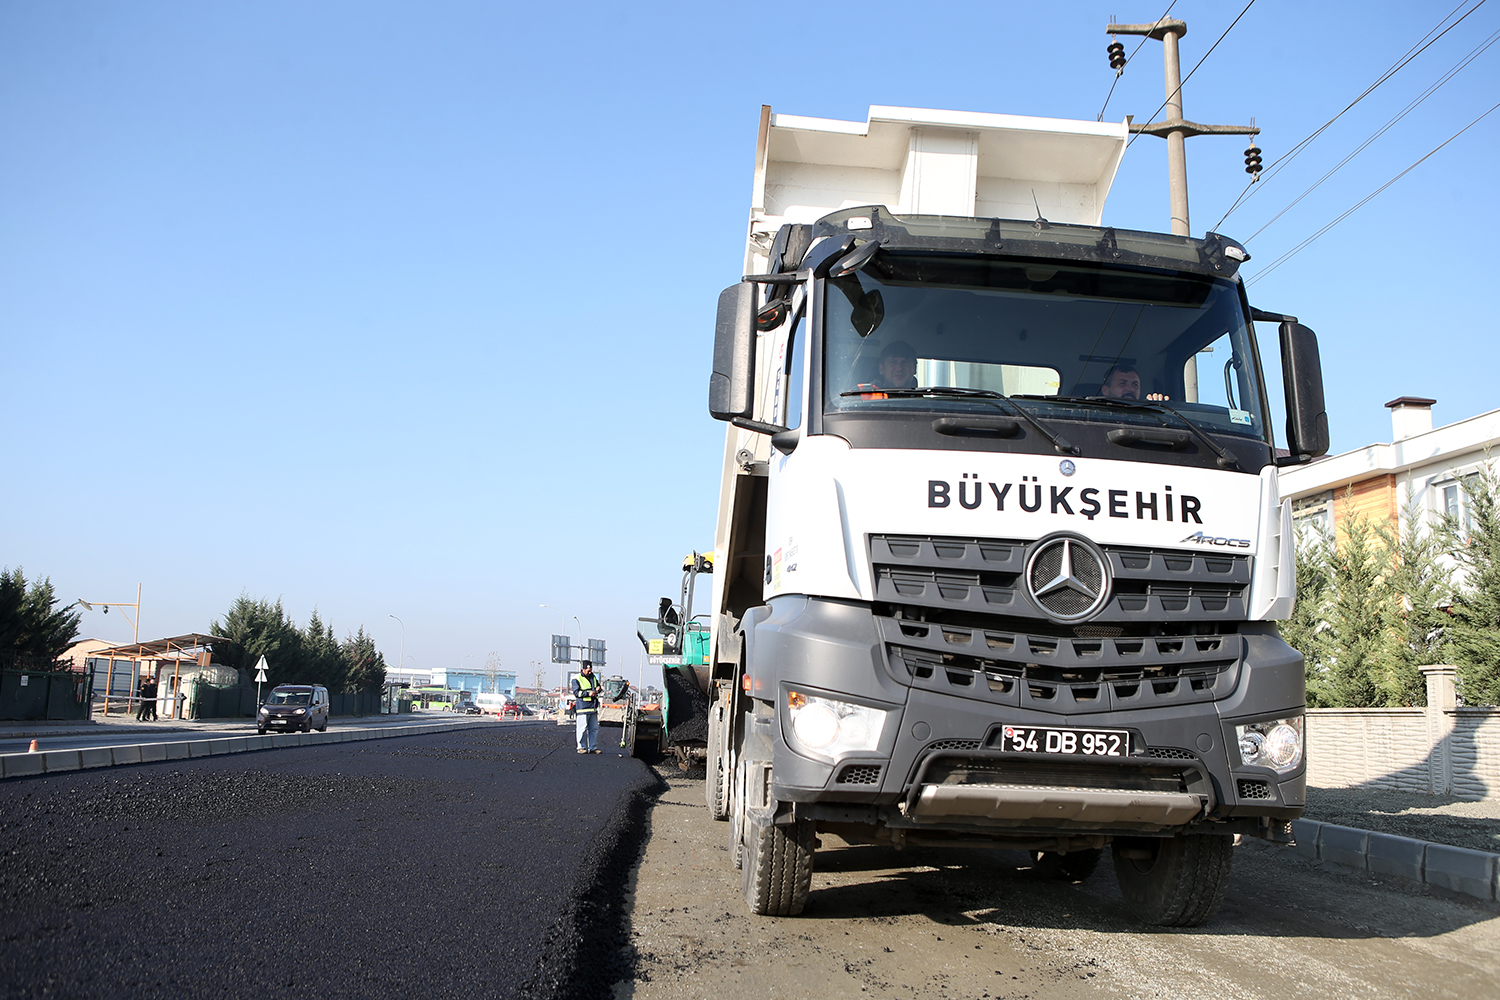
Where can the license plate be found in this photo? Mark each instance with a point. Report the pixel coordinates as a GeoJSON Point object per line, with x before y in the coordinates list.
{"type": "Point", "coordinates": [1080, 742]}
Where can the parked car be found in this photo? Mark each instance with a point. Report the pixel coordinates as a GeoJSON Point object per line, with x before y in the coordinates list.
{"type": "Point", "coordinates": [468, 708]}
{"type": "Point", "coordinates": [291, 707]}
{"type": "Point", "coordinates": [512, 711]}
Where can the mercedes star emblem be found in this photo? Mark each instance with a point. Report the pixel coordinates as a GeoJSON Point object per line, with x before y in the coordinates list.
{"type": "Point", "coordinates": [1067, 578]}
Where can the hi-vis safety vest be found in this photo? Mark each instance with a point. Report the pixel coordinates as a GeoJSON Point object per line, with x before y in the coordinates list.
{"type": "Point", "coordinates": [588, 697]}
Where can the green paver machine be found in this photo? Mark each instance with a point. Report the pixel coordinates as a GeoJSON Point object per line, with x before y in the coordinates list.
{"type": "Point", "coordinates": [679, 642]}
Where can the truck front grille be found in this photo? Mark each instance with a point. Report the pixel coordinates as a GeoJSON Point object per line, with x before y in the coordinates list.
{"type": "Point", "coordinates": [1061, 675]}
{"type": "Point", "coordinates": [984, 576]}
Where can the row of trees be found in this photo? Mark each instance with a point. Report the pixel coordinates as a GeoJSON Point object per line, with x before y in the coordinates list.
{"type": "Point", "coordinates": [311, 655]}
{"type": "Point", "coordinates": [1376, 604]}
{"type": "Point", "coordinates": [30, 622]}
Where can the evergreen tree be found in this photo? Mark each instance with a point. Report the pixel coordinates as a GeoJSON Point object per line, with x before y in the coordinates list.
{"type": "Point", "coordinates": [1307, 629]}
{"type": "Point", "coordinates": [1419, 586]}
{"type": "Point", "coordinates": [1475, 630]}
{"type": "Point", "coordinates": [364, 665]}
{"type": "Point", "coordinates": [30, 622]}
{"type": "Point", "coordinates": [322, 657]}
{"type": "Point", "coordinates": [1359, 619]}
{"type": "Point", "coordinates": [260, 628]}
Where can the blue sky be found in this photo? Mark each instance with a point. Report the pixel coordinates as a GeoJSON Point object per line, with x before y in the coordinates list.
{"type": "Point", "coordinates": [399, 308]}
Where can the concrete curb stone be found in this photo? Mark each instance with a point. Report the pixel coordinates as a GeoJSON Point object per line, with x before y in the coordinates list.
{"type": "Point", "coordinates": [1393, 855]}
{"type": "Point", "coordinates": [1460, 869]}
{"type": "Point", "coordinates": [1474, 873]}
{"type": "Point", "coordinates": [1344, 845]}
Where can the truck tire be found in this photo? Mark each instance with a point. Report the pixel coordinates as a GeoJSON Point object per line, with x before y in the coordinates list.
{"type": "Point", "coordinates": [1074, 866]}
{"type": "Point", "coordinates": [1174, 881]}
{"type": "Point", "coordinates": [777, 868]}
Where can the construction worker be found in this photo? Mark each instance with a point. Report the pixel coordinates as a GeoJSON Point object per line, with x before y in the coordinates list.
{"type": "Point", "coordinates": [586, 700]}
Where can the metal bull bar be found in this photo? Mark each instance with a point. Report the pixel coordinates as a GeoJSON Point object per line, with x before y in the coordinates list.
{"type": "Point", "coordinates": [1030, 800]}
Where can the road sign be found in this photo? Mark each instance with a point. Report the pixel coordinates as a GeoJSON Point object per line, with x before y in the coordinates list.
{"type": "Point", "coordinates": [260, 670]}
{"type": "Point", "coordinates": [562, 649]}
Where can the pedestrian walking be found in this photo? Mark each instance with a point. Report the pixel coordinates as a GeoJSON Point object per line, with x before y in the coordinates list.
{"type": "Point", "coordinates": [150, 705]}
{"type": "Point", "coordinates": [586, 702]}
{"type": "Point", "coordinates": [140, 709]}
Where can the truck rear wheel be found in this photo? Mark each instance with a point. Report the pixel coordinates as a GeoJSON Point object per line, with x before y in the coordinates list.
{"type": "Point", "coordinates": [1074, 866]}
{"type": "Point", "coordinates": [1174, 881]}
{"type": "Point", "coordinates": [777, 870]}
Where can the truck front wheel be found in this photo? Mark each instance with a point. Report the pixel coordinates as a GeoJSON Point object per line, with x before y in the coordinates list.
{"type": "Point", "coordinates": [777, 869]}
{"type": "Point", "coordinates": [1174, 881]}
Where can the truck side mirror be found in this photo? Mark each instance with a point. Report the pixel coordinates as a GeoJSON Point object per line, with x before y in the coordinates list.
{"type": "Point", "coordinates": [730, 387]}
{"type": "Point", "coordinates": [1302, 378]}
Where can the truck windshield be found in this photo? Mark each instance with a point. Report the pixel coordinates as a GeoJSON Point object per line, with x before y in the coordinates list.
{"type": "Point", "coordinates": [1073, 340]}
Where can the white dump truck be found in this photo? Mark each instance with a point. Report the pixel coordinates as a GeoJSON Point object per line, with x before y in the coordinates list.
{"type": "Point", "coordinates": [1000, 552]}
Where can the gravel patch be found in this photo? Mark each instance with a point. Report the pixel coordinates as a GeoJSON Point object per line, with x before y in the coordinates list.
{"type": "Point", "coordinates": [1440, 819]}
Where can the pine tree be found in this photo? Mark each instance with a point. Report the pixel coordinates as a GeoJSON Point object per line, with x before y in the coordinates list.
{"type": "Point", "coordinates": [1307, 629]}
{"type": "Point", "coordinates": [364, 665]}
{"type": "Point", "coordinates": [30, 622]}
{"type": "Point", "coordinates": [322, 656]}
{"type": "Point", "coordinates": [1420, 586]}
{"type": "Point", "coordinates": [1475, 630]}
{"type": "Point", "coordinates": [260, 628]}
{"type": "Point", "coordinates": [1359, 619]}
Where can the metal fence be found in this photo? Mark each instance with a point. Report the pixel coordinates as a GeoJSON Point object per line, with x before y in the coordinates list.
{"type": "Point", "coordinates": [239, 701]}
{"type": "Point", "coordinates": [32, 689]}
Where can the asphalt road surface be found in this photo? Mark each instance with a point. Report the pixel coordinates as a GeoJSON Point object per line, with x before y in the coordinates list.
{"type": "Point", "coordinates": [116, 734]}
{"type": "Point", "coordinates": [474, 863]}
{"type": "Point", "coordinates": [929, 924]}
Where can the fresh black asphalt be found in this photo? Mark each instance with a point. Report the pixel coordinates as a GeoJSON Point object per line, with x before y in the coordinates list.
{"type": "Point", "coordinates": [487, 862]}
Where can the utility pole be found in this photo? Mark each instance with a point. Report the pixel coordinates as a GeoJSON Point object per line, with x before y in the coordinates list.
{"type": "Point", "coordinates": [1174, 128]}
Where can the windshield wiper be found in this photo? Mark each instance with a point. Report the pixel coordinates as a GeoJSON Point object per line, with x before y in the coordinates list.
{"type": "Point", "coordinates": [1059, 442]}
{"type": "Point", "coordinates": [1226, 458]}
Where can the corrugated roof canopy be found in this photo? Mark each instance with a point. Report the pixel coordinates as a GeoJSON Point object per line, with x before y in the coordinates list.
{"type": "Point", "coordinates": [176, 645]}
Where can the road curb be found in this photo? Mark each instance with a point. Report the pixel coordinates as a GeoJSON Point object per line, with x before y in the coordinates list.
{"type": "Point", "coordinates": [1474, 873]}
{"type": "Point", "coordinates": [16, 765]}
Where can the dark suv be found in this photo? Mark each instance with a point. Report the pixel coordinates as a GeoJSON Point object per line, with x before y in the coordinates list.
{"type": "Point", "coordinates": [292, 707]}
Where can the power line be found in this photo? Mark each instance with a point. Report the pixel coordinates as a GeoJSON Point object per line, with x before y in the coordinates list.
{"type": "Point", "coordinates": [1195, 69]}
{"type": "Point", "coordinates": [1422, 45]}
{"type": "Point", "coordinates": [1454, 71]}
{"type": "Point", "coordinates": [1365, 200]}
{"type": "Point", "coordinates": [1121, 72]}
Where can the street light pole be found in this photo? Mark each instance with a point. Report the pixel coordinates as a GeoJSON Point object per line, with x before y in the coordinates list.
{"type": "Point", "coordinates": [135, 624]}
{"type": "Point", "coordinates": [402, 661]}
{"type": "Point", "coordinates": [135, 631]}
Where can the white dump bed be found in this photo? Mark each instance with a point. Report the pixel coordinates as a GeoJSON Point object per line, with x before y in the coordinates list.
{"type": "Point", "coordinates": [921, 162]}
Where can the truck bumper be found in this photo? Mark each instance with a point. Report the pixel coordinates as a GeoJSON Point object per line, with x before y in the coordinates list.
{"type": "Point", "coordinates": [942, 761]}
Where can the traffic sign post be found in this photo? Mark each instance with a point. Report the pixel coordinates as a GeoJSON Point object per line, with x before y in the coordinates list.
{"type": "Point", "coordinates": [260, 677]}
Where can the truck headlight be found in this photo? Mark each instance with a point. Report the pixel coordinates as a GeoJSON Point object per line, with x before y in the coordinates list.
{"type": "Point", "coordinates": [829, 727]}
{"type": "Point", "coordinates": [1276, 744]}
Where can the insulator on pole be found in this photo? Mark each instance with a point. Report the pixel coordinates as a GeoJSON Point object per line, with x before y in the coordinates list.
{"type": "Point", "coordinates": [1252, 161]}
{"type": "Point", "coordinates": [1116, 57]}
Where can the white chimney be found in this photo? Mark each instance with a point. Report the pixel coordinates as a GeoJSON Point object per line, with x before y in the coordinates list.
{"type": "Point", "coordinates": [1410, 416]}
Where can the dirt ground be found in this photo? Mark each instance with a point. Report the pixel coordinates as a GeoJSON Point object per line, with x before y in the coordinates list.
{"type": "Point", "coordinates": [971, 925]}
